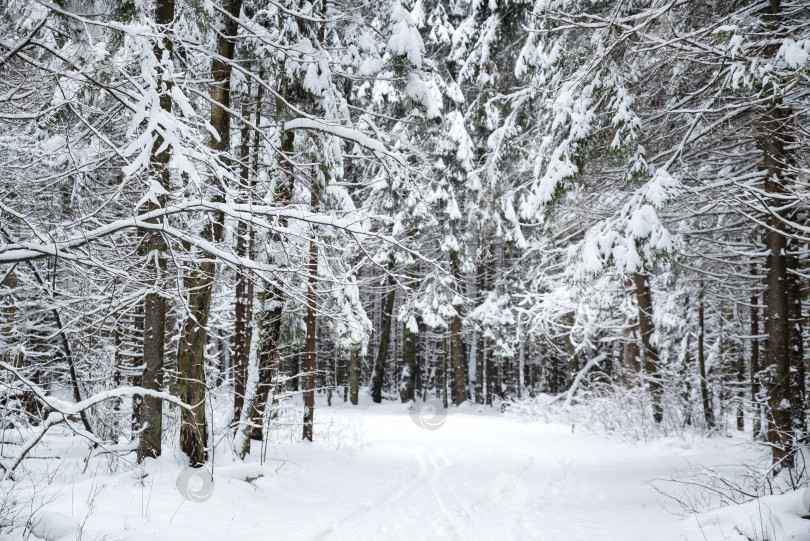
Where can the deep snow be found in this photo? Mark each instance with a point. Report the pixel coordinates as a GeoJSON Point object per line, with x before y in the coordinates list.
{"type": "Point", "coordinates": [373, 474]}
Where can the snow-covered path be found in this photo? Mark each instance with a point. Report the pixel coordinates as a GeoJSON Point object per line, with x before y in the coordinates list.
{"type": "Point", "coordinates": [376, 475]}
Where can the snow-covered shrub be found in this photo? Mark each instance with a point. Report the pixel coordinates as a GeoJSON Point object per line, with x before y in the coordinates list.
{"type": "Point", "coordinates": [21, 501]}
{"type": "Point", "coordinates": [700, 488]}
{"type": "Point", "coordinates": [747, 499]}
{"type": "Point", "coordinates": [606, 409]}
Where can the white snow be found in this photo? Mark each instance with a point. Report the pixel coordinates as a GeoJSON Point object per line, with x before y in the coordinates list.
{"type": "Point", "coordinates": [424, 93]}
{"type": "Point", "coordinates": [795, 53]}
{"type": "Point", "coordinates": [373, 474]}
{"type": "Point", "coordinates": [405, 39]}
{"type": "Point", "coordinates": [52, 526]}
{"type": "Point", "coordinates": [771, 518]}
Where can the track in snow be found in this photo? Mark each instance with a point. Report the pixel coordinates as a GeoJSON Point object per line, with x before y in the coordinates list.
{"type": "Point", "coordinates": [375, 475]}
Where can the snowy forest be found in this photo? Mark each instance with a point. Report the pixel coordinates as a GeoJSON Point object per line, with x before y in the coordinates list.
{"type": "Point", "coordinates": [404, 269]}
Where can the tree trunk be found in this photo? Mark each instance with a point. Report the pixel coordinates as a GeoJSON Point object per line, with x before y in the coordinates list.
{"type": "Point", "coordinates": [777, 354]}
{"type": "Point", "coordinates": [686, 393]}
{"type": "Point", "coordinates": [521, 357]}
{"type": "Point", "coordinates": [798, 370]}
{"type": "Point", "coordinates": [154, 335]}
{"type": "Point", "coordinates": [755, 386]}
{"type": "Point", "coordinates": [134, 361]}
{"type": "Point", "coordinates": [330, 379]}
{"type": "Point", "coordinates": [570, 351]}
{"type": "Point", "coordinates": [741, 394]}
{"type": "Point", "coordinates": [773, 140]}
{"type": "Point", "coordinates": [243, 309]}
{"type": "Point", "coordinates": [385, 340]}
{"type": "Point", "coordinates": [778, 350]}
{"type": "Point", "coordinates": [354, 377]}
{"type": "Point", "coordinates": [708, 413]}
{"type": "Point", "coordinates": [268, 361]}
{"type": "Point", "coordinates": [481, 374]}
{"type": "Point", "coordinates": [191, 365]}
{"type": "Point", "coordinates": [311, 361]}
{"type": "Point", "coordinates": [443, 377]}
{"type": "Point", "coordinates": [631, 354]}
{"type": "Point", "coordinates": [410, 363]}
{"type": "Point", "coordinates": [309, 369]}
{"type": "Point", "coordinates": [645, 323]}
{"type": "Point", "coordinates": [458, 380]}
{"type": "Point", "coordinates": [480, 368]}
{"type": "Point", "coordinates": [269, 355]}
{"type": "Point", "coordinates": [191, 352]}
{"type": "Point", "coordinates": [344, 376]}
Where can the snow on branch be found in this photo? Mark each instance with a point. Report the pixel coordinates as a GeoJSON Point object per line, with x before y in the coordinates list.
{"type": "Point", "coordinates": [63, 409]}
{"type": "Point", "coordinates": [349, 134]}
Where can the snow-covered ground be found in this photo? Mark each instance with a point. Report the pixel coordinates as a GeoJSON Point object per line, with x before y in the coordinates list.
{"type": "Point", "coordinates": [374, 474]}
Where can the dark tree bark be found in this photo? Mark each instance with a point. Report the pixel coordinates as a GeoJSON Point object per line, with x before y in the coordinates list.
{"type": "Point", "coordinates": [311, 361]}
{"type": "Point", "coordinates": [385, 339]}
{"type": "Point", "coordinates": [687, 390]}
{"type": "Point", "coordinates": [741, 393]}
{"type": "Point", "coordinates": [481, 375]}
{"type": "Point", "coordinates": [491, 369]}
{"type": "Point", "coordinates": [410, 367]}
{"type": "Point", "coordinates": [778, 350]}
{"type": "Point", "coordinates": [243, 309]}
{"type": "Point", "coordinates": [268, 361]}
{"type": "Point", "coordinates": [330, 380]}
{"type": "Point", "coordinates": [343, 368]}
{"type": "Point", "coordinates": [354, 377]}
{"type": "Point", "coordinates": [154, 335]}
{"type": "Point", "coordinates": [631, 353]}
{"type": "Point", "coordinates": [773, 140]}
{"type": "Point", "coordinates": [269, 354]}
{"type": "Point", "coordinates": [708, 413]}
{"type": "Point", "coordinates": [443, 375]}
{"type": "Point", "coordinates": [134, 361]}
{"type": "Point", "coordinates": [755, 377]}
{"type": "Point", "coordinates": [309, 369]}
{"type": "Point", "coordinates": [293, 369]}
{"type": "Point", "coordinates": [778, 355]}
{"type": "Point", "coordinates": [798, 370]}
{"type": "Point", "coordinates": [458, 381]}
{"type": "Point", "coordinates": [570, 352]}
{"type": "Point", "coordinates": [480, 367]}
{"type": "Point", "coordinates": [645, 323]}
{"type": "Point", "coordinates": [191, 352]}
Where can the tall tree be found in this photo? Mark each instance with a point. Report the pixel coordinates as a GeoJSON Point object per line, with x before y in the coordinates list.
{"type": "Point", "coordinates": [191, 352]}
{"type": "Point", "coordinates": [154, 336]}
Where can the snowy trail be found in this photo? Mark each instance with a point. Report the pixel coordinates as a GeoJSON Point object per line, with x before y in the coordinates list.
{"type": "Point", "coordinates": [480, 476]}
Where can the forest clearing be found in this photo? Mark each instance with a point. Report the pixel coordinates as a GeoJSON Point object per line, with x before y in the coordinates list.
{"type": "Point", "coordinates": [373, 473]}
